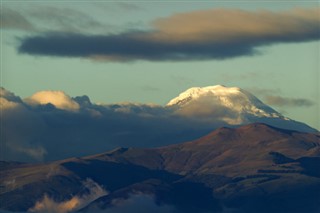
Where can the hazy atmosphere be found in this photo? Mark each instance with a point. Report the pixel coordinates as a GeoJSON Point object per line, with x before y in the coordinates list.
{"type": "Point", "coordinates": [160, 106]}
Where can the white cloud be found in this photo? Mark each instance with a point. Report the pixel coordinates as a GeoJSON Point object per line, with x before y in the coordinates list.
{"type": "Point", "coordinates": [48, 205]}
{"type": "Point", "coordinates": [57, 98]}
{"type": "Point", "coordinates": [36, 152]}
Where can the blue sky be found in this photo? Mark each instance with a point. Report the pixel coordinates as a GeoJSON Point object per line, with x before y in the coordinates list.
{"type": "Point", "coordinates": [283, 74]}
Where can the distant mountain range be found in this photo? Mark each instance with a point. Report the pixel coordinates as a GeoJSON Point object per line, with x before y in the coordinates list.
{"type": "Point", "coordinates": [50, 125]}
{"type": "Point", "coordinates": [252, 168]}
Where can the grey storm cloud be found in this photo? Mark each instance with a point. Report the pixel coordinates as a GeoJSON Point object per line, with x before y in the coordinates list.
{"type": "Point", "coordinates": [127, 47]}
{"type": "Point", "coordinates": [197, 35]}
{"type": "Point", "coordinates": [288, 102]}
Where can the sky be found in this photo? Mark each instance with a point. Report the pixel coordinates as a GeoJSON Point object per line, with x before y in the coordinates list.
{"type": "Point", "coordinates": [150, 51]}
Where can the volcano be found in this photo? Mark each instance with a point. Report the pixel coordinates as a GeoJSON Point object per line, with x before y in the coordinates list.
{"type": "Point", "coordinates": [230, 105]}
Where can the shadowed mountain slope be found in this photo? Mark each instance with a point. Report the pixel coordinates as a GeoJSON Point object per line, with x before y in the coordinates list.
{"type": "Point", "coordinates": [253, 168]}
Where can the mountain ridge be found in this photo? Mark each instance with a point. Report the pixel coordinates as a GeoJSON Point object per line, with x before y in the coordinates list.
{"type": "Point", "coordinates": [233, 164]}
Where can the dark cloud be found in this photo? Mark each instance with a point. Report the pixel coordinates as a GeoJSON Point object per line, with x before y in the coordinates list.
{"type": "Point", "coordinates": [129, 46]}
{"type": "Point", "coordinates": [198, 35]}
{"type": "Point", "coordinates": [288, 102]}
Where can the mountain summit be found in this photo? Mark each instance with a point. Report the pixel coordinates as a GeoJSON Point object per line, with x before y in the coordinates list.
{"type": "Point", "coordinates": [232, 98]}
{"type": "Point", "coordinates": [230, 105]}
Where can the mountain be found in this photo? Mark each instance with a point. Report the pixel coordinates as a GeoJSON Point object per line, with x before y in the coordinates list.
{"type": "Point", "coordinates": [232, 98]}
{"type": "Point", "coordinates": [231, 105]}
{"type": "Point", "coordinates": [253, 168]}
{"type": "Point", "coordinates": [51, 125]}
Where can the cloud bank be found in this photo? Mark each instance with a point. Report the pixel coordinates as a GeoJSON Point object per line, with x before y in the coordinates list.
{"type": "Point", "coordinates": [197, 35]}
{"type": "Point", "coordinates": [50, 125]}
{"type": "Point", "coordinates": [20, 128]}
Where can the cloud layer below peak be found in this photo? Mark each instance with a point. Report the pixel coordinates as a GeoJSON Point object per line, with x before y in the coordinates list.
{"type": "Point", "coordinates": [50, 125]}
{"type": "Point", "coordinates": [197, 35]}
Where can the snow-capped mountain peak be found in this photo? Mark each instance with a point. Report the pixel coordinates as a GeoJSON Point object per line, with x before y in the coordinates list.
{"type": "Point", "coordinates": [232, 100]}
{"type": "Point", "coordinates": [197, 92]}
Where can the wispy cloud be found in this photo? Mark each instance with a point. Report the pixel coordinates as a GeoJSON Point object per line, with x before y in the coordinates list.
{"type": "Point", "coordinates": [116, 7]}
{"type": "Point", "coordinates": [43, 18]}
{"type": "Point", "coordinates": [129, 6]}
{"type": "Point", "coordinates": [49, 205]}
{"type": "Point", "coordinates": [269, 97]}
{"type": "Point", "coordinates": [263, 92]}
{"type": "Point", "coordinates": [11, 19]}
{"type": "Point", "coordinates": [288, 102]}
{"type": "Point", "coordinates": [198, 35]}
{"type": "Point", "coordinates": [64, 19]}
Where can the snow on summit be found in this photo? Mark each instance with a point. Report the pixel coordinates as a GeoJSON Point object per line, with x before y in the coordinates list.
{"type": "Point", "coordinates": [196, 92]}
{"type": "Point", "coordinates": [222, 100]}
